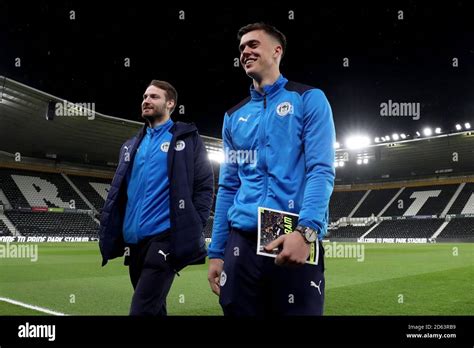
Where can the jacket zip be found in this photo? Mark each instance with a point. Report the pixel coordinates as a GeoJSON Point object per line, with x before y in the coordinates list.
{"type": "Point", "coordinates": [145, 175]}
{"type": "Point", "coordinates": [265, 182]}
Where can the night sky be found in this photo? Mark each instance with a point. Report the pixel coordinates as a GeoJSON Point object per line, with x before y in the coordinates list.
{"type": "Point", "coordinates": [408, 60]}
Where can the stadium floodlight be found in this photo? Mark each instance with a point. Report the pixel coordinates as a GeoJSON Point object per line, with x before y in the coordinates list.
{"type": "Point", "coordinates": [418, 133]}
{"type": "Point", "coordinates": [427, 132]}
{"type": "Point", "coordinates": [387, 137]}
{"type": "Point", "coordinates": [377, 140]}
{"type": "Point", "coordinates": [337, 145]}
{"type": "Point", "coordinates": [365, 160]}
{"type": "Point", "coordinates": [359, 161]}
{"type": "Point", "coordinates": [395, 136]}
{"type": "Point", "coordinates": [438, 130]}
{"type": "Point", "coordinates": [341, 163]}
{"type": "Point", "coordinates": [357, 142]}
{"type": "Point", "coordinates": [458, 127]}
{"type": "Point", "coordinates": [403, 136]}
{"type": "Point", "coordinates": [467, 125]}
{"type": "Point", "coordinates": [216, 156]}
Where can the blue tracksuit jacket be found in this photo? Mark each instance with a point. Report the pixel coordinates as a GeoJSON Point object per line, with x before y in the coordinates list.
{"type": "Point", "coordinates": [279, 154]}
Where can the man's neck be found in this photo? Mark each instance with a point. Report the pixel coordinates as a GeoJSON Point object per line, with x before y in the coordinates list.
{"type": "Point", "coordinates": [159, 122]}
{"type": "Point", "coordinates": [266, 81]}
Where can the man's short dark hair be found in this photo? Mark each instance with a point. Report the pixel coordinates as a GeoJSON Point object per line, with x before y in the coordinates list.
{"type": "Point", "coordinates": [269, 29]}
{"type": "Point", "coordinates": [170, 91]}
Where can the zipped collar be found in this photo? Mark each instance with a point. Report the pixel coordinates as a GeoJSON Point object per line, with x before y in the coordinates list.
{"type": "Point", "coordinates": [160, 128]}
{"type": "Point", "coordinates": [179, 128]}
{"type": "Point", "coordinates": [268, 90]}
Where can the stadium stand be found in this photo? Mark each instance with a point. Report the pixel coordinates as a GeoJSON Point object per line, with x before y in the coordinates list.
{"type": "Point", "coordinates": [38, 190]}
{"type": "Point", "coordinates": [4, 230]}
{"type": "Point", "coordinates": [11, 190]}
{"type": "Point", "coordinates": [460, 228]}
{"type": "Point", "coordinates": [94, 189]}
{"type": "Point", "coordinates": [374, 202]}
{"type": "Point", "coordinates": [71, 160]}
{"type": "Point", "coordinates": [34, 190]}
{"type": "Point", "coordinates": [412, 228]}
{"type": "Point", "coordinates": [349, 232]}
{"type": "Point", "coordinates": [342, 203]}
{"type": "Point", "coordinates": [208, 229]}
{"type": "Point", "coordinates": [423, 200]}
{"type": "Point", "coordinates": [464, 201]}
{"type": "Point", "coordinates": [215, 170]}
{"type": "Point", "coordinates": [53, 224]}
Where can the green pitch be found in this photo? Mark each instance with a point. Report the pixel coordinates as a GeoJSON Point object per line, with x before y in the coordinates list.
{"type": "Point", "coordinates": [393, 279]}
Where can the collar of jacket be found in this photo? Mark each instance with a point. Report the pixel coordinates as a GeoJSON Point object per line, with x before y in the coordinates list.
{"type": "Point", "coordinates": [268, 90]}
{"type": "Point", "coordinates": [160, 128]}
{"type": "Point", "coordinates": [178, 129]}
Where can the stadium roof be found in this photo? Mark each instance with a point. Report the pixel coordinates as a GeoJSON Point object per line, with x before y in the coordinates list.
{"type": "Point", "coordinates": [95, 139]}
{"type": "Point", "coordinates": [441, 155]}
{"type": "Point", "coordinates": [88, 137]}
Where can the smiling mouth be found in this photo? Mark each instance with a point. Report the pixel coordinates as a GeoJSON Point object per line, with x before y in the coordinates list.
{"type": "Point", "coordinates": [249, 61]}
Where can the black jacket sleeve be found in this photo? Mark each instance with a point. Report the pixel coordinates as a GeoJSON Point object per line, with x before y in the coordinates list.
{"type": "Point", "coordinates": [203, 181]}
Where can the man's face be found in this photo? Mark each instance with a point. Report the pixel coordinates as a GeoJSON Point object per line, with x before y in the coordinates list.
{"type": "Point", "coordinates": [154, 105]}
{"type": "Point", "coordinates": [259, 53]}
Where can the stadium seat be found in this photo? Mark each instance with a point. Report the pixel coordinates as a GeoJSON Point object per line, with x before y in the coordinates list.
{"type": "Point", "coordinates": [412, 228]}
{"type": "Point", "coordinates": [342, 203]}
{"type": "Point", "coordinates": [460, 228]}
{"type": "Point", "coordinates": [94, 189]}
{"type": "Point", "coordinates": [53, 224]}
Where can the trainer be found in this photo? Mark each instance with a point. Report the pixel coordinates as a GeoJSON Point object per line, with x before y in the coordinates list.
{"type": "Point", "coordinates": [158, 203]}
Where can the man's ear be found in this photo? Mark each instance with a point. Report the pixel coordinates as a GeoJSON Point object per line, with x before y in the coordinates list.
{"type": "Point", "coordinates": [278, 51]}
{"type": "Point", "coordinates": [171, 104]}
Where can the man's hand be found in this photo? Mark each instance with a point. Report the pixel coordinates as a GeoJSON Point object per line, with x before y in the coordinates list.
{"type": "Point", "coordinates": [295, 249]}
{"type": "Point", "coordinates": [214, 275]}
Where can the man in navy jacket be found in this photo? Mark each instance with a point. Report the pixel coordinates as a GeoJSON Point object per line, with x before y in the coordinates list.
{"type": "Point", "coordinates": [158, 203]}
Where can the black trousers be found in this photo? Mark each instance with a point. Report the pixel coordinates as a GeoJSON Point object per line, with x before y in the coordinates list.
{"type": "Point", "coordinates": [252, 285]}
{"type": "Point", "coordinates": [151, 275]}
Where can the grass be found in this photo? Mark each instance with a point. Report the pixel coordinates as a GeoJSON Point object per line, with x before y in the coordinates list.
{"type": "Point", "coordinates": [393, 279]}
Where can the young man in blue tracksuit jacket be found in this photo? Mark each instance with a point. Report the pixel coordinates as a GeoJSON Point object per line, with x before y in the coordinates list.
{"type": "Point", "coordinates": [158, 203]}
{"type": "Point", "coordinates": [279, 151]}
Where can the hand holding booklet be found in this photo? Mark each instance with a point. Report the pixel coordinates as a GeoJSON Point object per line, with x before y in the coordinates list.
{"type": "Point", "coordinates": [275, 223]}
